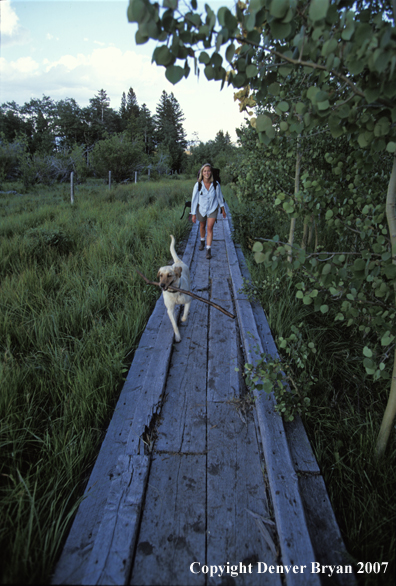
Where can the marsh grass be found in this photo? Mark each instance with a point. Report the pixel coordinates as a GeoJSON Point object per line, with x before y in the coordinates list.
{"type": "Point", "coordinates": [344, 417]}
{"type": "Point", "coordinates": [72, 311]}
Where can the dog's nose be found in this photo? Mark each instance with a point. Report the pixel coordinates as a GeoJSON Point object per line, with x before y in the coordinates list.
{"type": "Point", "coordinates": [162, 285]}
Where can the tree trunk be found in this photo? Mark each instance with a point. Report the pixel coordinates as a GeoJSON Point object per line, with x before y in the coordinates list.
{"type": "Point", "coordinates": [305, 236]}
{"type": "Point", "coordinates": [296, 190]}
{"type": "Point", "coordinates": [390, 411]}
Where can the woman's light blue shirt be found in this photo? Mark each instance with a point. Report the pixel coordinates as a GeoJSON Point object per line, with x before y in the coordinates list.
{"type": "Point", "coordinates": [208, 199]}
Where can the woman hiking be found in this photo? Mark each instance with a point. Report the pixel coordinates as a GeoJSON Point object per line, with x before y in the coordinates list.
{"type": "Point", "coordinates": [206, 199]}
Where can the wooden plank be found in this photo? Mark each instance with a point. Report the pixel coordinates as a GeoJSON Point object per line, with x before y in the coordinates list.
{"type": "Point", "coordinates": [111, 558]}
{"type": "Point", "coordinates": [301, 452]}
{"type": "Point", "coordinates": [172, 532]}
{"type": "Point", "coordinates": [293, 533]}
{"type": "Point", "coordinates": [325, 534]}
{"type": "Point", "coordinates": [236, 492]}
{"type": "Point", "coordinates": [71, 565]}
{"type": "Point", "coordinates": [183, 419]}
{"type": "Point", "coordinates": [223, 356]}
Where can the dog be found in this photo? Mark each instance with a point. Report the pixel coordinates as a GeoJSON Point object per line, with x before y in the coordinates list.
{"type": "Point", "coordinates": [178, 275]}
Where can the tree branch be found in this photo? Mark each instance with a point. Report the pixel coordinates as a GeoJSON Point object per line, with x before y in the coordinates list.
{"type": "Point", "coordinates": [191, 295]}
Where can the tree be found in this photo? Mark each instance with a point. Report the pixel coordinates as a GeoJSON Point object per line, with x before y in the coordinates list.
{"type": "Point", "coordinates": [146, 129]}
{"type": "Point", "coordinates": [169, 131]}
{"type": "Point", "coordinates": [69, 123]}
{"type": "Point", "coordinates": [119, 155]}
{"type": "Point", "coordinates": [40, 117]}
{"type": "Point", "coordinates": [339, 59]}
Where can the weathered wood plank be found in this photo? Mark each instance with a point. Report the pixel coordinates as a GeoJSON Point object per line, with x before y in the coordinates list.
{"type": "Point", "coordinates": [325, 534]}
{"type": "Point", "coordinates": [111, 558]}
{"type": "Point", "coordinates": [80, 541]}
{"type": "Point", "coordinates": [236, 492]}
{"type": "Point", "coordinates": [294, 537]}
{"type": "Point", "coordinates": [223, 380]}
{"type": "Point", "coordinates": [172, 532]}
{"type": "Point", "coordinates": [301, 452]}
{"type": "Point", "coordinates": [183, 419]}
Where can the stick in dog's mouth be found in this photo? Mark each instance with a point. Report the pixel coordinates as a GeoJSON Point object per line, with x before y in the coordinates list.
{"type": "Point", "coordinates": [188, 293]}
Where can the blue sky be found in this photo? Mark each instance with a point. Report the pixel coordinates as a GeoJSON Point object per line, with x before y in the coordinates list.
{"type": "Point", "coordinates": [74, 48]}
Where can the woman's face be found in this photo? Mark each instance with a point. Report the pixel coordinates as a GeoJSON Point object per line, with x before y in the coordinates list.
{"type": "Point", "coordinates": [207, 173]}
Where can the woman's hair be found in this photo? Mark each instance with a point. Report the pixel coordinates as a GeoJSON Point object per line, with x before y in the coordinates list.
{"type": "Point", "coordinates": [200, 176]}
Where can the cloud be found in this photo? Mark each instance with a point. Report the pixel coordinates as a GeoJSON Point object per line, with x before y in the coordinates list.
{"type": "Point", "coordinates": [81, 76]}
{"type": "Point", "coordinates": [10, 30]}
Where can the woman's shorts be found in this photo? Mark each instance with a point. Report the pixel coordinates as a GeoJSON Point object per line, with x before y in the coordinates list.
{"type": "Point", "coordinates": [204, 218]}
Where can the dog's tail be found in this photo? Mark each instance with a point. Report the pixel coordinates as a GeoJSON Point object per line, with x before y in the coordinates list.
{"type": "Point", "coordinates": [173, 251]}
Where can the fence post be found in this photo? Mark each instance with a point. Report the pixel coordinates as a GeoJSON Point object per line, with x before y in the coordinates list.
{"type": "Point", "coordinates": [72, 187]}
{"type": "Point", "coordinates": [135, 176]}
{"type": "Point", "coordinates": [109, 180]}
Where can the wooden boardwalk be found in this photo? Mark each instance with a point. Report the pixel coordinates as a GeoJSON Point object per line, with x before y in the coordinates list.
{"type": "Point", "coordinates": [191, 480]}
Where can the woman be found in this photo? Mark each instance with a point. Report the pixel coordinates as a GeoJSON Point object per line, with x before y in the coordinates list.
{"type": "Point", "coordinates": [204, 206]}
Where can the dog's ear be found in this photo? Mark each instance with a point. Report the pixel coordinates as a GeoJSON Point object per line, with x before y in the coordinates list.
{"type": "Point", "coordinates": [178, 271]}
{"type": "Point", "coordinates": [159, 273]}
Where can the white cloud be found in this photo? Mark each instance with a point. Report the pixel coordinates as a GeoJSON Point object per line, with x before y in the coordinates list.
{"type": "Point", "coordinates": [9, 19]}
{"type": "Point", "coordinates": [10, 30]}
{"type": "Point", "coordinates": [81, 76]}
{"type": "Point", "coordinates": [22, 67]}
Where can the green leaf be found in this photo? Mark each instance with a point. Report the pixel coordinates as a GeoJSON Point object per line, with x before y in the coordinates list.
{"type": "Point", "coordinates": [174, 73]}
{"type": "Point", "coordinates": [259, 257]}
{"type": "Point", "coordinates": [391, 147]}
{"type": "Point", "coordinates": [136, 10]}
{"type": "Point", "coordinates": [312, 91]}
{"type": "Point", "coordinates": [257, 247]}
{"type": "Point", "coordinates": [230, 52]}
{"type": "Point", "coordinates": [324, 105]}
{"type": "Point", "coordinates": [283, 106]}
{"type": "Point", "coordinates": [263, 122]}
{"type": "Point", "coordinates": [274, 88]}
{"type": "Point", "coordinates": [387, 339]}
{"type": "Point", "coordinates": [279, 30]}
{"type": "Point", "coordinates": [324, 308]}
{"type": "Point", "coordinates": [251, 71]}
{"type": "Point", "coordinates": [279, 8]}
{"type": "Point", "coordinates": [140, 38]}
{"type": "Point", "coordinates": [162, 55]}
{"type": "Point", "coordinates": [367, 352]}
{"type": "Point", "coordinates": [318, 9]}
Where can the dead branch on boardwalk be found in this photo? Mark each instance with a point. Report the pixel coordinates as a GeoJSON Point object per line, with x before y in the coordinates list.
{"type": "Point", "coordinates": [172, 288]}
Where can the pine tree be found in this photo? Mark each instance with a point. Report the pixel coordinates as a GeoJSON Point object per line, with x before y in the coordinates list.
{"type": "Point", "coordinates": [169, 132]}
{"type": "Point", "coordinates": [122, 110]}
{"type": "Point", "coordinates": [146, 129]}
{"type": "Point", "coordinates": [132, 106]}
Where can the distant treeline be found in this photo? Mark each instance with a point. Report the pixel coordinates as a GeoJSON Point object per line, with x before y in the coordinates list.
{"type": "Point", "coordinates": [44, 140]}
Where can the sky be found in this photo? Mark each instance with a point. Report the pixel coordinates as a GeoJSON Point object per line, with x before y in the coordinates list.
{"type": "Point", "coordinates": [74, 48]}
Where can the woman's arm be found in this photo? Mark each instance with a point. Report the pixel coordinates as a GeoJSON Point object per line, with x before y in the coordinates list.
{"type": "Point", "coordinates": [220, 199]}
{"type": "Point", "coordinates": [194, 200]}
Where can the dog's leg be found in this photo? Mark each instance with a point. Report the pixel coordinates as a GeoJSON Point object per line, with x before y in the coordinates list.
{"type": "Point", "coordinates": [186, 310]}
{"type": "Point", "coordinates": [174, 325]}
{"type": "Point", "coordinates": [170, 307]}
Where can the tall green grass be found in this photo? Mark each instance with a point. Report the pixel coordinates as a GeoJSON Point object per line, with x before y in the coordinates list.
{"type": "Point", "coordinates": [72, 309]}
{"type": "Point", "coordinates": [344, 416]}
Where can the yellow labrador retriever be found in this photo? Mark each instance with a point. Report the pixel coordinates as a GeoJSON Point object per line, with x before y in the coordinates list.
{"type": "Point", "coordinates": [178, 275]}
